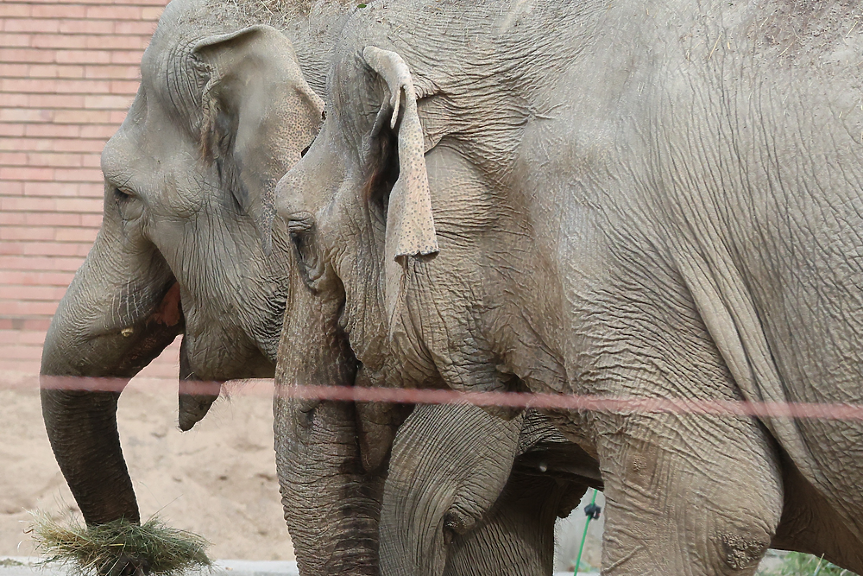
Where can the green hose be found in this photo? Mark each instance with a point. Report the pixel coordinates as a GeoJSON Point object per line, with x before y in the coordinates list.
{"type": "Point", "coordinates": [584, 536]}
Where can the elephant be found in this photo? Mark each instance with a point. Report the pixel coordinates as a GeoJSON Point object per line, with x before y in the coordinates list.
{"type": "Point", "coordinates": [222, 112]}
{"type": "Point", "coordinates": [598, 198]}
{"type": "Point", "coordinates": [228, 102]}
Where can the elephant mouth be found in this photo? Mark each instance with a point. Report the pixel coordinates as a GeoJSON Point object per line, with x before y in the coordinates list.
{"type": "Point", "coordinates": [166, 311]}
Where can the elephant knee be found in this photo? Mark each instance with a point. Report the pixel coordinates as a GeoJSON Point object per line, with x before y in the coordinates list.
{"type": "Point", "coordinates": [741, 545]}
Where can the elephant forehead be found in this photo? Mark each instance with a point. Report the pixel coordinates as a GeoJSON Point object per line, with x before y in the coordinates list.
{"type": "Point", "coordinates": [172, 80]}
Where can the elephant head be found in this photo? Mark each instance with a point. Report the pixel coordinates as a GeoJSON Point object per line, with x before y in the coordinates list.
{"type": "Point", "coordinates": [222, 112]}
{"type": "Point", "coordinates": [359, 211]}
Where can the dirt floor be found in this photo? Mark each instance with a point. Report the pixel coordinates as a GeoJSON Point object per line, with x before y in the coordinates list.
{"type": "Point", "coordinates": [218, 479]}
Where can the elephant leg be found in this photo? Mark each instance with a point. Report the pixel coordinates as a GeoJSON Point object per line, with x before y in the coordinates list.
{"type": "Point", "coordinates": [516, 538]}
{"type": "Point", "coordinates": [809, 524]}
{"type": "Point", "coordinates": [687, 495]}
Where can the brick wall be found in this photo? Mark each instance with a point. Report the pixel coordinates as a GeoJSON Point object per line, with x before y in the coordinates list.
{"type": "Point", "coordinates": [68, 71]}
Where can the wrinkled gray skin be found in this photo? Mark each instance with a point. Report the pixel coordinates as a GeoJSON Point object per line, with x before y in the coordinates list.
{"type": "Point", "coordinates": [222, 112]}
{"type": "Point", "coordinates": [333, 480]}
{"type": "Point", "coordinates": [659, 201]}
{"type": "Point", "coordinates": [503, 494]}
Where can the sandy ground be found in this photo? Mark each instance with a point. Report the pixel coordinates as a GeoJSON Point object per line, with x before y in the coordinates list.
{"type": "Point", "coordinates": [218, 479]}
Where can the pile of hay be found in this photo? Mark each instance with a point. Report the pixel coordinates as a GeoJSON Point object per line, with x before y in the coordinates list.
{"type": "Point", "coordinates": [119, 548]}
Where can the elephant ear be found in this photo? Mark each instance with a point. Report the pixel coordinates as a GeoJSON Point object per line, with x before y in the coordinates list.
{"type": "Point", "coordinates": [258, 113]}
{"type": "Point", "coordinates": [410, 229]}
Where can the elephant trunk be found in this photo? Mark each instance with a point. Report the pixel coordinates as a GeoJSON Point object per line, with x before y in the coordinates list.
{"type": "Point", "coordinates": [331, 504]}
{"type": "Point", "coordinates": [448, 467]}
{"type": "Point", "coordinates": [110, 324]}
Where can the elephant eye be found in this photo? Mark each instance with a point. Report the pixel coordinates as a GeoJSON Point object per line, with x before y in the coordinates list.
{"type": "Point", "coordinates": [122, 195]}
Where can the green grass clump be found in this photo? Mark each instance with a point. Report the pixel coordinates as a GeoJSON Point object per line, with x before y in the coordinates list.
{"type": "Point", "coordinates": [798, 564]}
{"type": "Point", "coordinates": [120, 547]}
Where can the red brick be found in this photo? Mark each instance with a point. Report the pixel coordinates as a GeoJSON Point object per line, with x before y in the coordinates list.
{"type": "Point", "coordinates": [22, 144]}
{"type": "Point", "coordinates": [129, 42]}
{"type": "Point", "coordinates": [109, 102]}
{"type": "Point", "coordinates": [26, 173]}
{"type": "Point", "coordinates": [113, 72]}
{"type": "Point", "coordinates": [11, 233]}
{"type": "Point", "coordinates": [57, 248]}
{"type": "Point", "coordinates": [86, 235]}
{"type": "Point", "coordinates": [51, 189]}
{"type": "Point", "coordinates": [92, 189]}
{"type": "Point", "coordinates": [140, 27]}
{"type": "Point", "coordinates": [91, 161]}
{"type": "Point", "coordinates": [117, 116]}
{"type": "Point", "coordinates": [8, 70]}
{"type": "Point", "coordinates": [78, 205]}
{"type": "Point", "coordinates": [13, 218]}
{"type": "Point", "coordinates": [13, 188]}
{"type": "Point", "coordinates": [115, 12]}
{"type": "Point", "coordinates": [125, 87]}
{"type": "Point", "coordinates": [92, 146]}
{"type": "Point", "coordinates": [26, 55]}
{"type": "Point", "coordinates": [16, 100]}
{"type": "Point", "coordinates": [21, 337]}
{"type": "Point", "coordinates": [10, 129]}
{"type": "Point", "coordinates": [77, 174]}
{"type": "Point", "coordinates": [84, 57]}
{"type": "Point", "coordinates": [126, 57]}
{"type": "Point", "coordinates": [35, 324]}
{"type": "Point", "coordinates": [9, 248]}
{"type": "Point", "coordinates": [52, 219]}
{"type": "Point", "coordinates": [56, 100]}
{"type": "Point", "coordinates": [13, 158]}
{"type": "Point", "coordinates": [69, 26]}
{"type": "Point", "coordinates": [91, 220]}
{"type": "Point", "coordinates": [58, 10]}
{"type": "Point", "coordinates": [54, 85]}
{"type": "Point", "coordinates": [35, 278]}
{"type": "Point", "coordinates": [30, 25]}
{"type": "Point", "coordinates": [13, 203]}
{"type": "Point", "coordinates": [87, 117]}
{"type": "Point", "coordinates": [55, 159]}
{"type": "Point", "coordinates": [99, 131]}
{"type": "Point", "coordinates": [49, 293]}
{"type": "Point", "coordinates": [14, 9]}
{"type": "Point", "coordinates": [151, 13]}
{"type": "Point", "coordinates": [53, 131]}
{"type": "Point", "coordinates": [39, 263]}
{"type": "Point", "coordinates": [72, 71]}
{"type": "Point", "coordinates": [40, 219]}
{"type": "Point", "coordinates": [21, 354]}
{"type": "Point", "coordinates": [58, 42]}
{"type": "Point", "coordinates": [12, 39]}
{"type": "Point", "coordinates": [22, 308]}
{"type": "Point", "coordinates": [25, 115]}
